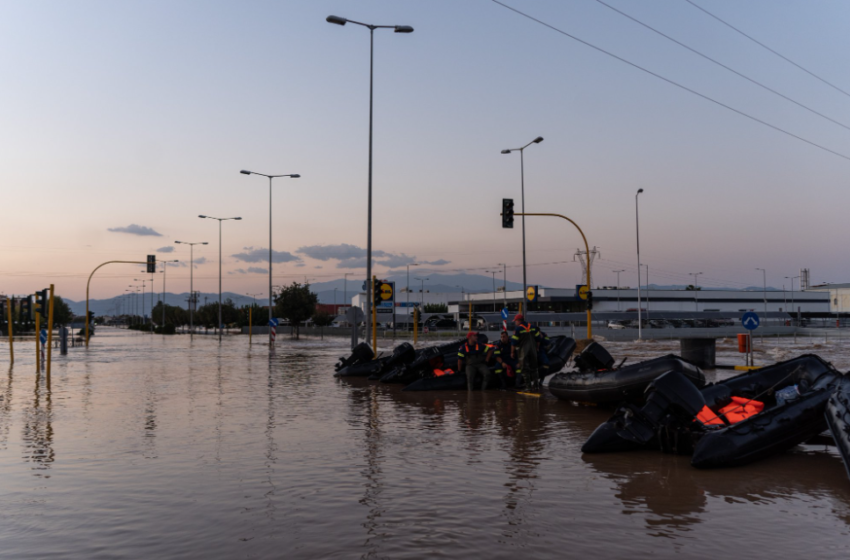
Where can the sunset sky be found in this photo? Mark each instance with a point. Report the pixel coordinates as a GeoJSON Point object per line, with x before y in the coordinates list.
{"type": "Point", "coordinates": [123, 121]}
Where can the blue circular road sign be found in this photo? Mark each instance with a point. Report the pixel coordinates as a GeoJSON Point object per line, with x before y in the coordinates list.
{"type": "Point", "coordinates": [750, 320]}
{"type": "Point", "coordinates": [505, 313]}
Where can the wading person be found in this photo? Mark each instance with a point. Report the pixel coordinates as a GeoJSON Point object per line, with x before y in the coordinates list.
{"type": "Point", "coordinates": [505, 365]}
{"type": "Point", "coordinates": [524, 347]}
{"type": "Point", "coordinates": [474, 356]}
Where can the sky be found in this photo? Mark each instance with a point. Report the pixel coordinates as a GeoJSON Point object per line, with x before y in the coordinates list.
{"type": "Point", "coordinates": [123, 121]}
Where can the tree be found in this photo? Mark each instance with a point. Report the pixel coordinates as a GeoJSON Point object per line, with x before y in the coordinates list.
{"type": "Point", "coordinates": [62, 314]}
{"type": "Point", "coordinates": [323, 319]}
{"type": "Point", "coordinates": [436, 308]}
{"type": "Point", "coordinates": [296, 303]}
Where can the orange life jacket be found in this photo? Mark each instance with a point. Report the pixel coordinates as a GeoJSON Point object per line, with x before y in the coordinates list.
{"type": "Point", "coordinates": [741, 409]}
{"type": "Point", "coordinates": [442, 372]}
{"type": "Point", "coordinates": [708, 418]}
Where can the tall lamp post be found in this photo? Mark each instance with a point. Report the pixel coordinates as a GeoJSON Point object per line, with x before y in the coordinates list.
{"type": "Point", "coordinates": [637, 237]}
{"type": "Point", "coordinates": [164, 275]}
{"type": "Point", "coordinates": [696, 289]}
{"type": "Point", "coordinates": [219, 265]}
{"type": "Point", "coordinates": [422, 292]}
{"type": "Point", "coordinates": [504, 284]}
{"type": "Point", "coordinates": [271, 292]}
{"type": "Point", "coordinates": [192, 301]}
{"type": "Point", "coordinates": [143, 281]}
{"type": "Point", "coordinates": [521, 151]}
{"type": "Point", "coordinates": [493, 272]}
{"type": "Point", "coordinates": [764, 283]}
{"type": "Point", "coordinates": [407, 323]}
{"type": "Point", "coordinates": [617, 272]}
{"type": "Point", "coordinates": [793, 309]}
{"type": "Point", "coordinates": [398, 29]}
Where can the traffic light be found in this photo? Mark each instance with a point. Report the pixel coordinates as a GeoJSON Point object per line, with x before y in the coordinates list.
{"type": "Point", "coordinates": [26, 309]}
{"type": "Point", "coordinates": [151, 264]}
{"type": "Point", "coordinates": [589, 301]}
{"type": "Point", "coordinates": [41, 303]}
{"type": "Point", "coordinates": [507, 212]}
{"type": "Point", "coordinates": [376, 291]}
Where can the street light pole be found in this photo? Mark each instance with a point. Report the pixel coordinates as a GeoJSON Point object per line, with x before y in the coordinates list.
{"type": "Point", "coordinates": [407, 323]}
{"type": "Point", "coordinates": [493, 272]}
{"type": "Point", "coordinates": [164, 275]}
{"type": "Point", "coordinates": [637, 237]}
{"type": "Point", "coordinates": [271, 303]}
{"type": "Point", "coordinates": [219, 266]}
{"type": "Point", "coordinates": [696, 289]}
{"type": "Point", "coordinates": [764, 280]}
{"type": "Point", "coordinates": [793, 308]}
{"type": "Point", "coordinates": [521, 151]}
{"type": "Point", "coordinates": [505, 284]}
{"type": "Point", "coordinates": [192, 301]}
{"type": "Point", "coordinates": [422, 292]}
{"type": "Point", "coordinates": [617, 272]}
{"type": "Point", "coordinates": [398, 29]}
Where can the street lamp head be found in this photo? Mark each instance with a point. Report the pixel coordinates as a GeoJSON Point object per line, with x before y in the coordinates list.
{"type": "Point", "coordinates": [245, 172]}
{"type": "Point", "coordinates": [640, 191]}
{"type": "Point", "coordinates": [506, 151]}
{"type": "Point", "coordinates": [538, 140]}
{"type": "Point", "coordinates": [336, 19]}
{"type": "Point", "coordinates": [201, 216]}
{"type": "Point", "coordinates": [178, 242]}
{"type": "Point", "coordinates": [204, 243]}
{"type": "Point", "coordinates": [295, 176]}
{"type": "Point", "coordinates": [403, 29]}
{"type": "Point", "coordinates": [237, 218]}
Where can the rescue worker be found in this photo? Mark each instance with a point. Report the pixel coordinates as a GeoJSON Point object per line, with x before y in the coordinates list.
{"type": "Point", "coordinates": [544, 344]}
{"type": "Point", "coordinates": [524, 348]}
{"type": "Point", "coordinates": [474, 356]}
{"type": "Point", "coordinates": [505, 365]}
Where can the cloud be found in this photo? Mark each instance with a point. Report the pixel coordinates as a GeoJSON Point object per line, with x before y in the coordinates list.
{"type": "Point", "coordinates": [352, 263]}
{"type": "Point", "coordinates": [397, 260]}
{"type": "Point", "coordinates": [250, 270]}
{"type": "Point", "coordinates": [252, 255]}
{"type": "Point", "coordinates": [166, 249]}
{"type": "Point", "coordinates": [340, 252]}
{"type": "Point", "coordinates": [317, 267]}
{"type": "Point", "coordinates": [299, 265]}
{"type": "Point", "coordinates": [200, 260]}
{"type": "Point", "coordinates": [135, 230]}
{"type": "Point", "coordinates": [439, 262]}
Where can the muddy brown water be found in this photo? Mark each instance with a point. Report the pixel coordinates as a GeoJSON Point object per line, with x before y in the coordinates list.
{"type": "Point", "coordinates": [164, 447]}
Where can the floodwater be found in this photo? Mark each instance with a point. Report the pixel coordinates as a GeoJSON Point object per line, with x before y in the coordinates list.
{"type": "Point", "coordinates": [164, 447]}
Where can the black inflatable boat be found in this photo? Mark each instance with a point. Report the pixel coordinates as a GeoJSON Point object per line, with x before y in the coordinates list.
{"type": "Point", "coordinates": [838, 419]}
{"type": "Point", "coordinates": [428, 359]}
{"type": "Point", "coordinates": [361, 364]}
{"type": "Point", "coordinates": [559, 351]}
{"type": "Point", "coordinates": [679, 418]}
{"type": "Point", "coordinates": [625, 384]}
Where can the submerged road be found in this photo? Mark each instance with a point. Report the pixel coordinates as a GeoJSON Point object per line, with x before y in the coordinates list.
{"type": "Point", "coordinates": [166, 447]}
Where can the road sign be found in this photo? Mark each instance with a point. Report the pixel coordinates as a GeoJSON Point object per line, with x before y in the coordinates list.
{"type": "Point", "coordinates": [354, 315]}
{"type": "Point", "coordinates": [505, 313]}
{"type": "Point", "coordinates": [274, 322]}
{"type": "Point", "coordinates": [750, 320]}
{"type": "Point", "coordinates": [42, 336]}
{"type": "Point", "coordinates": [582, 291]}
{"type": "Point", "coordinates": [383, 310]}
{"type": "Point", "coordinates": [387, 291]}
{"type": "Point", "coordinates": [532, 293]}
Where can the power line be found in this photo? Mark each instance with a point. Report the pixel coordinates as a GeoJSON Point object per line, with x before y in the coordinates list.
{"type": "Point", "coordinates": [705, 56]}
{"type": "Point", "coordinates": [669, 81]}
{"type": "Point", "coordinates": [785, 58]}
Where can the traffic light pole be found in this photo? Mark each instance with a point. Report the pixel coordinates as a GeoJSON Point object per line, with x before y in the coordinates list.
{"type": "Point", "coordinates": [587, 254]}
{"type": "Point", "coordinates": [88, 285]}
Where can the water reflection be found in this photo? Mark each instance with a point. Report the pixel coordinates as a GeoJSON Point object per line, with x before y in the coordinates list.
{"type": "Point", "coordinates": [37, 430]}
{"type": "Point", "coordinates": [6, 410]}
{"type": "Point", "coordinates": [677, 495]}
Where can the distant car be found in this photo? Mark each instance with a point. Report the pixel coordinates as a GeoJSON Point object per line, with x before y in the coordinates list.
{"type": "Point", "coordinates": [616, 325]}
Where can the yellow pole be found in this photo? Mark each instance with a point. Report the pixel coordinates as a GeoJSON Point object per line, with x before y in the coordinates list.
{"type": "Point", "coordinates": [374, 320]}
{"type": "Point", "coordinates": [250, 324]}
{"type": "Point", "coordinates": [37, 341]}
{"type": "Point", "coordinates": [11, 336]}
{"type": "Point", "coordinates": [88, 284]}
{"type": "Point", "coordinates": [587, 252]}
{"type": "Point", "coordinates": [49, 333]}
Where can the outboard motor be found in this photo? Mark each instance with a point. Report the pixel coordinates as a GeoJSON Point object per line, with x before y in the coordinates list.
{"type": "Point", "coordinates": [594, 358]}
{"type": "Point", "coordinates": [671, 394]}
{"type": "Point", "coordinates": [361, 353]}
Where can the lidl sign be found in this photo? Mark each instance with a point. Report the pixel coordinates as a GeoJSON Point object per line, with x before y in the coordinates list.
{"type": "Point", "coordinates": [581, 292]}
{"type": "Point", "coordinates": [532, 293]}
{"type": "Point", "coordinates": [387, 292]}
